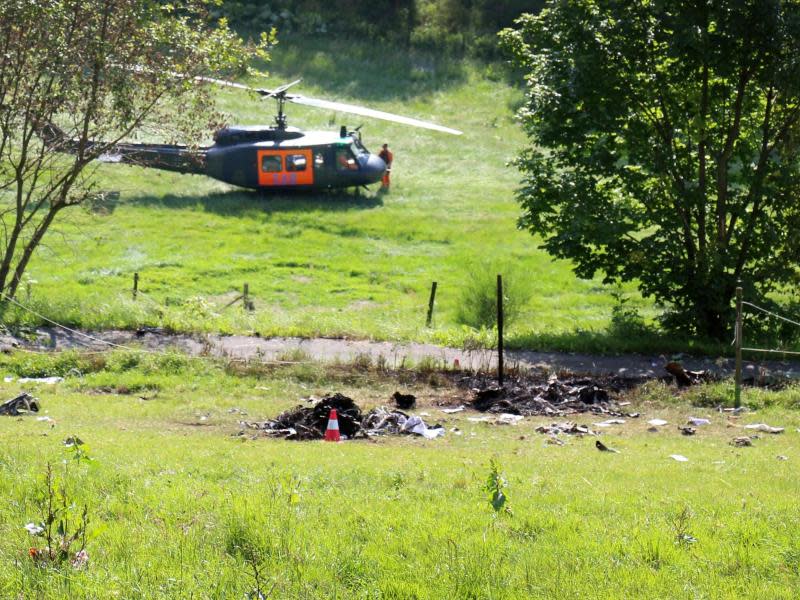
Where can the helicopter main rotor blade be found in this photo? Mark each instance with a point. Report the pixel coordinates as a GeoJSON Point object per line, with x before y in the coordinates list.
{"type": "Point", "coordinates": [278, 90]}
{"type": "Point", "coordinates": [223, 82]}
{"type": "Point", "coordinates": [369, 112]}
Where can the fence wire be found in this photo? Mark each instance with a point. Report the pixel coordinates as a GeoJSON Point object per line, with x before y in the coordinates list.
{"type": "Point", "coordinates": [776, 316]}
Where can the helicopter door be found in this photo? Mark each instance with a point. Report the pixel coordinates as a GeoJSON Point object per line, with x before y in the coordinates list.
{"type": "Point", "coordinates": [283, 168]}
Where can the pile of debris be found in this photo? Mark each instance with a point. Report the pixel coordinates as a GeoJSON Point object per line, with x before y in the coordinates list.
{"type": "Point", "coordinates": [21, 405]}
{"type": "Point", "coordinates": [554, 397]}
{"type": "Point", "coordinates": [310, 422]}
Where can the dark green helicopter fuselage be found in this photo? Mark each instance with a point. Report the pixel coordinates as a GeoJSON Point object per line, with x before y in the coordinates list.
{"type": "Point", "coordinates": [265, 158]}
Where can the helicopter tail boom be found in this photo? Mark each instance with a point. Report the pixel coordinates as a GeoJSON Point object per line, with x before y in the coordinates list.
{"type": "Point", "coordinates": [166, 157]}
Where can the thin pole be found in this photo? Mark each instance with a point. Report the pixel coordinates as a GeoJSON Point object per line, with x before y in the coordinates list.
{"type": "Point", "coordinates": [135, 285]}
{"type": "Point", "coordinates": [500, 330]}
{"type": "Point", "coordinates": [245, 294]}
{"type": "Point", "coordinates": [737, 402]}
{"type": "Point", "coordinates": [430, 305]}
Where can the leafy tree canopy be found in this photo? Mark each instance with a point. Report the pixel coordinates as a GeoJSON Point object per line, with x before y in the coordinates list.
{"type": "Point", "coordinates": [664, 145]}
{"type": "Point", "coordinates": [95, 72]}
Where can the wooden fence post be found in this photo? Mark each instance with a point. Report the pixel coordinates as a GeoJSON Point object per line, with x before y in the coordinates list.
{"type": "Point", "coordinates": [430, 305]}
{"type": "Point", "coordinates": [500, 330]}
{"type": "Point", "coordinates": [245, 296]}
{"type": "Point", "coordinates": [737, 402]}
{"type": "Point", "coordinates": [135, 285]}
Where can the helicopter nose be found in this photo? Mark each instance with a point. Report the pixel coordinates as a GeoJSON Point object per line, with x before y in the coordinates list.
{"type": "Point", "coordinates": [374, 168]}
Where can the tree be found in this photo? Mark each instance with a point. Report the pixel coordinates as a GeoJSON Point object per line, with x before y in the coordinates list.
{"type": "Point", "coordinates": [96, 71]}
{"type": "Point", "coordinates": [664, 146]}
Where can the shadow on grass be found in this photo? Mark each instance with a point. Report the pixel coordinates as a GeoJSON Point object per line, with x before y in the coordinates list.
{"type": "Point", "coordinates": [243, 202]}
{"type": "Point", "coordinates": [609, 343]}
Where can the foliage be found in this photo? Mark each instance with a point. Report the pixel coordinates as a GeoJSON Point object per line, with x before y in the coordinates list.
{"type": "Point", "coordinates": [63, 525]}
{"type": "Point", "coordinates": [664, 146]}
{"type": "Point", "coordinates": [453, 26]}
{"type": "Point", "coordinates": [78, 76]}
{"type": "Point", "coordinates": [478, 295]}
{"type": "Point", "coordinates": [496, 485]}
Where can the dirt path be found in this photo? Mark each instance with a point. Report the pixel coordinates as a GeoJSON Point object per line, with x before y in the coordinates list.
{"type": "Point", "coordinates": [394, 355]}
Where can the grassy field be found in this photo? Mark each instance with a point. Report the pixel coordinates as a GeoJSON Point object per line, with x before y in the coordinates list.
{"type": "Point", "coordinates": [180, 507]}
{"type": "Point", "coordinates": [335, 264]}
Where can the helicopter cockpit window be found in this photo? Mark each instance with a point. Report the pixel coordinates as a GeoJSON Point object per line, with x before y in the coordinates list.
{"type": "Point", "coordinates": [271, 164]}
{"type": "Point", "coordinates": [345, 160]}
{"type": "Point", "coordinates": [295, 162]}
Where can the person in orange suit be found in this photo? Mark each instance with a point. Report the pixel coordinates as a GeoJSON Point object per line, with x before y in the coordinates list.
{"type": "Point", "coordinates": [387, 157]}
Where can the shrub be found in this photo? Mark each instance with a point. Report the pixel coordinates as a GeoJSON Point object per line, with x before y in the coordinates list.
{"type": "Point", "coordinates": [478, 302]}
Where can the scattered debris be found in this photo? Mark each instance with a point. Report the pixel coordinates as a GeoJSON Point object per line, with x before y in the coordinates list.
{"type": "Point", "coordinates": [764, 428]}
{"type": "Point", "coordinates": [741, 442]}
{"type": "Point", "coordinates": [610, 422]}
{"type": "Point", "coordinates": [782, 457]}
{"type": "Point", "coordinates": [697, 422]}
{"type": "Point", "coordinates": [380, 420]}
{"type": "Point", "coordinates": [45, 380]}
{"type": "Point", "coordinates": [21, 405]}
{"type": "Point", "coordinates": [567, 427]}
{"type": "Point", "coordinates": [404, 401]}
{"type": "Point", "coordinates": [555, 441]}
{"type": "Point", "coordinates": [603, 448]}
{"type": "Point", "coordinates": [686, 378]}
{"type": "Point", "coordinates": [479, 419]}
{"type": "Point", "coordinates": [687, 430]}
{"type": "Point", "coordinates": [508, 419]}
{"type": "Point", "coordinates": [311, 422]}
{"type": "Point", "coordinates": [679, 457]}
{"type": "Point", "coordinates": [657, 422]}
{"type": "Point", "coordinates": [556, 397]}
{"type": "Point", "coordinates": [450, 411]}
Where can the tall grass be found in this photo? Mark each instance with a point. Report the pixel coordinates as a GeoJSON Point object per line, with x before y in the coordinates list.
{"type": "Point", "coordinates": [179, 506]}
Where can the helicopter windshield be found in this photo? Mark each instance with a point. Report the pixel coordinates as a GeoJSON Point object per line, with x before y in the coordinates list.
{"type": "Point", "coordinates": [357, 148]}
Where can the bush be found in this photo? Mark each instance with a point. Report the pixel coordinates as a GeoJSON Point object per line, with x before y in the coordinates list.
{"type": "Point", "coordinates": [478, 303]}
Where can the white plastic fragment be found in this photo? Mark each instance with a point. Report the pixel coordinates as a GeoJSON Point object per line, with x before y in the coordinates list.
{"type": "Point", "coordinates": [610, 422]}
{"type": "Point", "coordinates": [657, 422]}
{"type": "Point", "coordinates": [679, 457]}
{"type": "Point", "coordinates": [45, 380]}
{"type": "Point", "coordinates": [508, 419]}
{"type": "Point", "coordinates": [696, 421]}
{"type": "Point", "coordinates": [34, 529]}
{"type": "Point", "coordinates": [450, 411]}
{"type": "Point", "coordinates": [764, 428]}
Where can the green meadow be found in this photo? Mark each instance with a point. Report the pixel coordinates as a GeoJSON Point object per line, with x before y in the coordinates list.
{"type": "Point", "coordinates": [180, 506]}
{"type": "Point", "coordinates": [356, 264]}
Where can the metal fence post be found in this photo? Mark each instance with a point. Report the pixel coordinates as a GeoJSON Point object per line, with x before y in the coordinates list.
{"type": "Point", "coordinates": [500, 330]}
{"type": "Point", "coordinates": [430, 305]}
{"type": "Point", "coordinates": [737, 402]}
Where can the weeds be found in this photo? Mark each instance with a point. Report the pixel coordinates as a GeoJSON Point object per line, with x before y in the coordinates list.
{"type": "Point", "coordinates": [496, 485]}
{"type": "Point", "coordinates": [680, 526]}
{"type": "Point", "coordinates": [478, 302]}
{"type": "Point", "coordinates": [62, 527]}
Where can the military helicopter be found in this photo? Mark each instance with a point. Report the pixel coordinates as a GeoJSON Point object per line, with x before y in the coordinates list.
{"type": "Point", "coordinates": [272, 158]}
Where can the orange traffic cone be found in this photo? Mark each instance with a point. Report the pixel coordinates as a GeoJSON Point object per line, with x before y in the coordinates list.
{"type": "Point", "coordinates": [332, 432]}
